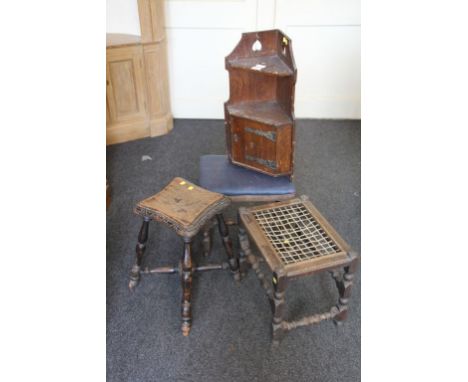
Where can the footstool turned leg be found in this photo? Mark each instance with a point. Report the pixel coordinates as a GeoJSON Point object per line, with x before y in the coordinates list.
{"type": "Point", "coordinates": [243, 241]}
{"type": "Point", "coordinates": [207, 238]}
{"type": "Point", "coordinates": [227, 243]}
{"type": "Point", "coordinates": [279, 287]}
{"type": "Point", "coordinates": [344, 287]}
{"type": "Point", "coordinates": [186, 278]}
{"type": "Point", "coordinates": [249, 259]}
{"type": "Point", "coordinates": [140, 250]}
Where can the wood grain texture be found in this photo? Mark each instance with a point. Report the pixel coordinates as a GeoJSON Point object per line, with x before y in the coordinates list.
{"type": "Point", "coordinates": [157, 88]}
{"type": "Point", "coordinates": [152, 20]}
{"type": "Point", "coordinates": [186, 280]}
{"type": "Point", "coordinates": [126, 94]}
{"type": "Point", "coordinates": [187, 209]}
{"type": "Point", "coordinates": [227, 243]}
{"type": "Point", "coordinates": [306, 267]}
{"type": "Point", "coordinates": [120, 39]}
{"type": "Point", "coordinates": [140, 251]}
{"type": "Point", "coordinates": [137, 103]}
{"type": "Point", "coordinates": [259, 114]}
{"type": "Point", "coordinates": [183, 206]}
{"type": "Point", "coordinates": [341, 260]}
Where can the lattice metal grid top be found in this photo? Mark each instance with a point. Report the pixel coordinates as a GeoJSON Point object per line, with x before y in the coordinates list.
{"type": "Point", "coordinates": [294, 233]}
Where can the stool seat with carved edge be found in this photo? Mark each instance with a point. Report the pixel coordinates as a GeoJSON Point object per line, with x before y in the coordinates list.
{"type": "Point", "coordinates": [295, 240]}
{"type": "Point", "coordinates": [184, 207]}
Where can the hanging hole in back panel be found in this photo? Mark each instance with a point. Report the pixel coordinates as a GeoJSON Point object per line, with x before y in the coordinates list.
{"type": "Point", "coordinates": [257, 46]}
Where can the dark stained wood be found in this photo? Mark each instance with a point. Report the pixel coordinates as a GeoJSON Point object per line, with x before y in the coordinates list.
{"type": "Point", "coordinates": [279, 286]}
{"type": "Point", "coordinates": [246, 255]}
{"type": "Point", "coordinates": [160, 270]}
{"type": "Point", "coordinates": [274, 235]}
{"type": "Point", "coordinates": [227, 243]}
{"type": "Point", "coordinates": [339, 259]}
{"type": "Point", "coordinates": [183, 206]}
{"type": "Point", "coordinates": [260, 147]}
{"type": "Point", "coordinates": [187, 209]}
{"type": "Point", "coordinates": [186, 279]}
{"type": "Point", "coordinates": [250, 87]}
{"type": "Point", "coordinates": [272, 65]}
{"type": "Point", "coordinates": [259, 115]}
{"type": "Point", "coordinates": [267, 112]}
{"type": "Point", "coordinates": [344, 285]}
{"type": "Point", "coordinates": [207, 239]}
{"type": "Point", "coordinates": [140, 251]}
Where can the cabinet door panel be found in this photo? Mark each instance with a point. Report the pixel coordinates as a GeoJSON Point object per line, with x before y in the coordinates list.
{"type": "Point", "coordinates": [254, 144]}
{"type": "Point", "coordinates": [125, 85]}
{"type": "Point", "coordinates": [261, 147]}
{"type": "Point", "coordinates": [122, 75]}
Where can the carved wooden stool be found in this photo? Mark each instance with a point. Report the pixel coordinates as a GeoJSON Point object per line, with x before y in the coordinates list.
{"type": "Point", "coordinates": [219, 175]}
{"type": "Point", "coordinates": [185, 208]}
{"type": "Point", "coordinates": [295, 240]}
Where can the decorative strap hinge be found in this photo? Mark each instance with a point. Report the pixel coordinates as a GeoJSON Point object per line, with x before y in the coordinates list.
{"type": "Point", "coordinates": [271, 135]}
{"type": "Point", "coordinates": [264, 162]}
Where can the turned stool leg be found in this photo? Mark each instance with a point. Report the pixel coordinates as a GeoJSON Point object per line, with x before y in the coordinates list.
{"type": "Point", "coordinates": [186, 278]}
{"type": "Point", "coordinates": [344, 285]}
{"type": "Point", "coordinates": [207, 238]}
{"type": "Point", "coordinates": [243, 242]}
{"type": "Point", "coordinates": [224, 232]}
{"type": "Point", "coordinates": [140, 250]}
{"type": "Point", "coordinates": [279, 287]}
{"type": "Point", "coordinates": [248, 258]}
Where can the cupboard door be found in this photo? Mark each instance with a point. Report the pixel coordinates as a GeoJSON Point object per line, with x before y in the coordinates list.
{"type": "Point", "coordinates": [260, 146]}
{"type": "Point", "coordinates": [254, 144]}
{"type": "Point", "coordinates": [125, 85]}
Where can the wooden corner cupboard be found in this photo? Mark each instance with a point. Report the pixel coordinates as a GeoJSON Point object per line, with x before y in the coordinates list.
{"type": "Point", "coordinates": [259, 115]}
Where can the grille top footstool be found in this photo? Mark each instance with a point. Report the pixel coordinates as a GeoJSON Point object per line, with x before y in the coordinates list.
{"type": "Point", "coordinates": [295, 240]}
{"type": "Point", "coordinates": [184, 207]}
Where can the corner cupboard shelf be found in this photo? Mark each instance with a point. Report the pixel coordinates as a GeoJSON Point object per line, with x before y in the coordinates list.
{"type": "Point", "coordinates": [259, 115]}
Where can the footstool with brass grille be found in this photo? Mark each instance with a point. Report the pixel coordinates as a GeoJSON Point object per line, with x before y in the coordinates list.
{"type": "Point", "coordinates": [295, 240]}
{"type": "Point", "coordinates": [186, 208]}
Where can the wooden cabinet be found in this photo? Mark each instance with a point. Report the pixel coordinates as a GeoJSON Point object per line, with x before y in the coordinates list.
{"type": "Point", "coordinates": [126, 94]}
{"type": "Point", "coordinates": [259, 115]}
{"type": "Point", "coordinates": [137, 103]}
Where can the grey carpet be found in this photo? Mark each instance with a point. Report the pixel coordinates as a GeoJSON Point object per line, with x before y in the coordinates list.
{"type": "Point", "coordinates": [230, 337]}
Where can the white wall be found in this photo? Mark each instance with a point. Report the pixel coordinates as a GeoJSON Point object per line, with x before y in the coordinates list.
{"type": "Point", "coordinates": [327, 49]}
{"type": "Point", "coordinates": [122, 17]}
{"type": "Point", "coordinates": [200, 33]}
